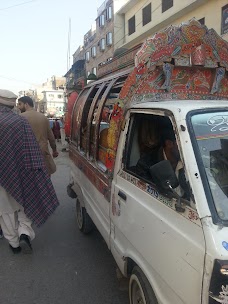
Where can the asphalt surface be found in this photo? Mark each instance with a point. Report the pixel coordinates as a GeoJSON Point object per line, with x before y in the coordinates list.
{"type": "Point", "coordinates": [66, 266]}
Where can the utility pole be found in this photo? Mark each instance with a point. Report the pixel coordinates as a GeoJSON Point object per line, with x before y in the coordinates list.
{"type": "Point", "coordinates": [68, 48]}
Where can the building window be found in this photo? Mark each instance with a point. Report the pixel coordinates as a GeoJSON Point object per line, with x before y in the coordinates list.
{"type": "Point", "coordinates": [60, 96]}
{"type": "Point", "coordinates": [93, 51]}
{"type": "Point", "coordinates": [87, 56]}
{"type": "Point", "coordinates": [166, 4]}
{"type": "Point", "coordinates": [146, 14]}
{"type": "Point", "coordinates": [102, 44]}
{"type": "Point", "coordinates": [131, 25]}
{"type": "Point", "coordinates": [94, 71]}
{"type": "Point", "coordinates": [109, 38]}
{"type": "Point", "coordinates": [202, 21]}
{"type": "Point", "coordinates": [51, 95]}
{"type": "Point", "coordinates": [109, 13]}
{"type": "Point", "coordinates": [224, 25]}
{"type": "Point", "coordinates": [101, 20]}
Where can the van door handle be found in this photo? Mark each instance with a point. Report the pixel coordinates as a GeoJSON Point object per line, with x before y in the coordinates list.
{"type": "Point", "coordinates": [122, 195]}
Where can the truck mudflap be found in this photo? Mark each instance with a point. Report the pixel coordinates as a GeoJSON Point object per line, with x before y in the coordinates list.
{"type": "Point", "coordinates": [219, 283]}
{"type": "Point", "coordinates": [71, 192]}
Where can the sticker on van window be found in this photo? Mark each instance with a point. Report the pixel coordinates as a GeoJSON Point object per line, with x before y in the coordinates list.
{"type": "Point", "coordinates": [225, 245]}
{"type": "Point", "coordinates": [189, 213]}
{"type": "Point", "coordinates": [224, 295]}
{"type": "Point", "coordinates": [218, 123]}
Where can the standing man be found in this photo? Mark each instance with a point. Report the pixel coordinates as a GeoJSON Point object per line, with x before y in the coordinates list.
{"type": "Point", "coordinates": [26, 192]}
{"type": "Point", "coordinates": [56, 129]}
{"type": "Point", "coordinates": [41, 128]}
{"type": "Point", "coordinates": [63, 135]}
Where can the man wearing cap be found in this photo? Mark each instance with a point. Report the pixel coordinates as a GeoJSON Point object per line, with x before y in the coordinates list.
{"type": "Point", "coordinates": [26, 192]}
{"type": "Point", "coordinates": [41, 128]}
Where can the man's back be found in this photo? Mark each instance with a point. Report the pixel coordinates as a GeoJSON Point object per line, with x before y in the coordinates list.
{"type": "Point", "coordinates": [41, 129]}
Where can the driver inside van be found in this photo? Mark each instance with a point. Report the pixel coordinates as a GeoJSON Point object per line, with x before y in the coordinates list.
{"type": "Point", "coordinates": [167, 151]}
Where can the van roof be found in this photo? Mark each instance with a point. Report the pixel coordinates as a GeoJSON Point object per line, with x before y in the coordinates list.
{"type": "Point", "coordinates": [184, 105]}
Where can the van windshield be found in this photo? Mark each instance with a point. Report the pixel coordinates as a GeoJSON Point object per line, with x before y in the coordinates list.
{"type": "Point", "coordinates": [211, 133]}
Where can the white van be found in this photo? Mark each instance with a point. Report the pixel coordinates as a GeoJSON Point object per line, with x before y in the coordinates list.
{"type": "Point", "coordinates": [154, 181]}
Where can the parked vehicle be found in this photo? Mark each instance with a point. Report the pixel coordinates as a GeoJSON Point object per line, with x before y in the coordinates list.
{"type": "Point", "coordinates": [168, 234]}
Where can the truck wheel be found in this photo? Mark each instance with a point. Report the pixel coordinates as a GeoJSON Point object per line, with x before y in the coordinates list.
{"type": "Point", "coordinates": [140, 291]}
{"type": "Point", "coordinates": [85, 224]}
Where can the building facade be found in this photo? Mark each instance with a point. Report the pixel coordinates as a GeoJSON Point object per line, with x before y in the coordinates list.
{"type": "Point", "coordinates": [98, 42]}
{"type": "Point", "coordinates": [53, 103]}
{"type": "Point", "coordinates": [50, 98]}
{"type": "Point", "coordinates": [143, 18]}
{"type": "Point", "coordinates": [124, 24]}
{"type": "Point", "coordinates": [76, 76]}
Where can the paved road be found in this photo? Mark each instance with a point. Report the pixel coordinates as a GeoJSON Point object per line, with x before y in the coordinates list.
{"type": "Point", "coordinates": [66, 267]}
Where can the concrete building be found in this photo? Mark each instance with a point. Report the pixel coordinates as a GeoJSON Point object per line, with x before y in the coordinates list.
{"type": "Point", "coordinates": [141, 19]}
{"type": "Point", "coordinates": [124, 24]}
{"type": "Point", "coordinates": [30, 93]}
{"type": "Point", "coordinates": [99, 41]}
{"type": "Point", "coordinates": [53, 102]}
{"type": "Point", "coordinates": [98, 46]}
{"type": "Point", "coordinates": [49, 97]}
{"type": "Point", "coordinates": [76, 76]}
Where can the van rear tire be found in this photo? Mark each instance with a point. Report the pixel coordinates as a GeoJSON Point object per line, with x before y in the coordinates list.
{"type": "Point", "coordinates": [140, 290]}
{"type": "Point", "coordinates": [85, 224]}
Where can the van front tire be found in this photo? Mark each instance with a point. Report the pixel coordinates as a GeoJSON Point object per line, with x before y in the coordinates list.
{"type": "Point", "coordinates": [140, 290]}
{"type": "Point", "coordinates": [85, 224]}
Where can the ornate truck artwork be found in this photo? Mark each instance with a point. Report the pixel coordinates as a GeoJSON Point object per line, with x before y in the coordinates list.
{"type": "Point", "coordinates": [182, 62]}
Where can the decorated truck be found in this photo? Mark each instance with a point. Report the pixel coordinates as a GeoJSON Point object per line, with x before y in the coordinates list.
{"type": "Point", "coordinates": [149, 152]}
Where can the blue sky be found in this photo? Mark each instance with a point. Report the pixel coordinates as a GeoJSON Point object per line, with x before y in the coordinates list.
{"type": "Point", "coordinates": [34, 38]}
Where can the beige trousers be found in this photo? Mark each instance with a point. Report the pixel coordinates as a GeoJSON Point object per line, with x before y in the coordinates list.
{"type": "Point", "coordinates": [15, 224]}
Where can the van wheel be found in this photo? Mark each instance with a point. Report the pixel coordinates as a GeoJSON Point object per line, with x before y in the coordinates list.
{"type": "Point", "coordinates": [140, 291]}
{"type": "Point", "coordinates": [85, 224]}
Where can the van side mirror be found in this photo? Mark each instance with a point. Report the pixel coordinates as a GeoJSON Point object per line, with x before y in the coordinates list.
{"type": "Point", "coordinates": [165, 179]}
{"type": "Point", "coordinates": [164, 176]}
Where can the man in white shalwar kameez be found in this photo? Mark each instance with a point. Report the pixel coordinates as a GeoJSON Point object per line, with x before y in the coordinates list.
{"type": "Point", "coordinates": [15, 225]}
{"type": "Point", "coordinates": [26, 192]}
{"type": "Point", "coordinates": [13, 229]}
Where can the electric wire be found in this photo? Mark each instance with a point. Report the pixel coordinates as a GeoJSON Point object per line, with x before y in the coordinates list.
{"type": "Point", "coordinates": [5, 8]}
{"type": "Point", "coordinates": [14, 79]}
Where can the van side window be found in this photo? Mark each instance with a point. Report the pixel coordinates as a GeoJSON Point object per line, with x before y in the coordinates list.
{"type": "Point", "coordinates": [144, 144]}
{"type": "Point", "coordinates": [83, 133]}
{"type": "Point", "coordinates": [106, 144]}
{"type": "Point", "coordinates": [93, 124]}
{"type": "Point", "coordinates": [77, 112]}
{"type": "Point", "coordinates": [151, 140]}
